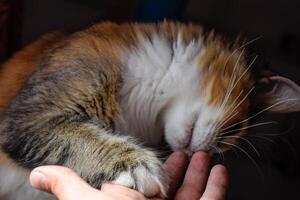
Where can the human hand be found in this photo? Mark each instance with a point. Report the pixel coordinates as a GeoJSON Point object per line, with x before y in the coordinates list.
{"type": "Point", "coordinates": [199, 181]}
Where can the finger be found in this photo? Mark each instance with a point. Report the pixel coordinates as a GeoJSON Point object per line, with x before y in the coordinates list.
{"type": "Point", "coordinates": [176, 165]}
{"type": "Point", "coordinates": [217, 184]}
{"type": "Point", "coordinates": [195, 178]}
{"type": "Point", "coordinates": [122, 191]}
{"type": "Point", "coordinates": [60, 181]}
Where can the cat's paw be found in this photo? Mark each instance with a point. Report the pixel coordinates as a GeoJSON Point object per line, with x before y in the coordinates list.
{"type": "Point", "coordinates": [148, 177]}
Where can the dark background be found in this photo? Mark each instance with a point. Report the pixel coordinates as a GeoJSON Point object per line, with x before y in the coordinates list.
{"type": "Point", "coordinates": [275, 174]}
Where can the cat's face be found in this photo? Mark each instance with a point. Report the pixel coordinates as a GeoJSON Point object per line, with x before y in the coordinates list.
{"type": "Point", "coordinates": [211, 107]}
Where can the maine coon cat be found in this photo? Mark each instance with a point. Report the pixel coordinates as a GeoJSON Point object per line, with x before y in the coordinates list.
{"type": "Point", "coordinates": [95, 94]}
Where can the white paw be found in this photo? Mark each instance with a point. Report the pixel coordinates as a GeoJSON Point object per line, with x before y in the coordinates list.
{"type": "Point", "coordinates": [151, 179]}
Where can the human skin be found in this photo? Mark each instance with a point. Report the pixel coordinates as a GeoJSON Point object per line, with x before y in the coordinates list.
{"type": "Point", "coordinates": [189, 180]}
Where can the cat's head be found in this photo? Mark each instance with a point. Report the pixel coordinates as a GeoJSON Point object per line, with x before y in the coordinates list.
{"type": "Point", "coordinates": [210, 110]}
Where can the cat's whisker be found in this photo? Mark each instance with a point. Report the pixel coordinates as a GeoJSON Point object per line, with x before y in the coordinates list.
{"type": "Point", "coordinates": [233, 84]}
{"type": "Point", "coordinates": [260, 112]}
{"type": "Point", "coordinates": [233, 76]}
{"type": "Point", "coordinates": [246, 70]}
{"type": "Point", "coordinates": [244, 139]}
{"type": "Point", "coordinates": [223, 122]}
{"type": "Point", "coordinates": [236, 146]}
{"type": "Point", "coordinates": [232, 87]}
{"type": "Point", "coordinates": [245, 152]}
{"type": "Point", "coordinates": [261, 137]}
{"type": "Point", "coordinates": [246, 127]}
{"type": "Point", "coordinates": [266, 135]}
{"type": "Point", "coordinates": [251, 41]}
{"type": "Point", "coordinates": [231, 81]}
{"type": "Point", "coordinates": [242, 100]}
{"type": "Point", "coordinates": [234, 101]}
{"type": "Point", "coordinates": [219, 152]}
{"type": "Point", "coordinates": [291, 147]}
{"type": "Point", "coordinates": [242, 46]}
{"type": "Point", "coordinates": [232, 105]}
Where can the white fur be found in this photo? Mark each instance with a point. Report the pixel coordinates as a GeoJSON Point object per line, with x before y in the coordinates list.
{"type": "Point", "coordinates": [161, 95]}
{"type": "Point", "coordinates": [141, 179]}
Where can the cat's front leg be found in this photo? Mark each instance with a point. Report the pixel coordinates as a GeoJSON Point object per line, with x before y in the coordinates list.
{"type": "Point", "coordinates": [91, 151]}
{"type": "Point", "coordinates": [130, 165]}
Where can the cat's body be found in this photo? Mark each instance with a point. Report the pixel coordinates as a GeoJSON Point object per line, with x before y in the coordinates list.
{"type": "Point", "coordinates": [148, 81]}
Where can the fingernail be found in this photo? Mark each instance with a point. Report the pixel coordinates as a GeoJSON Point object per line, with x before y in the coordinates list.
{"type": "Point", "coordinates": [38, 180]}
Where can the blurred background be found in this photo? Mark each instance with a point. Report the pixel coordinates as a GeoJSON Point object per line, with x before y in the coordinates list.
{"type": "Point", "coordinates": [275, 172]}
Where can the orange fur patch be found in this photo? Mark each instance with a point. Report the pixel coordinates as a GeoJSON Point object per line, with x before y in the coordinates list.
{"type": "Point", "coordinates": [15, 72]}
{"type": "Point", "coordinates": [222, 67]}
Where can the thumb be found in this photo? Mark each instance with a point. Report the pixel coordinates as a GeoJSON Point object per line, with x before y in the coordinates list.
{"type": "Point", "coordinates": [60, 181]}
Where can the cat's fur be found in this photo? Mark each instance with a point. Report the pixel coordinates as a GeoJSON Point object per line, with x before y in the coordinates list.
{"type": "Point", "coordinates": [15, 72]}
{"type": "Point", "coordinates": [149, 81]}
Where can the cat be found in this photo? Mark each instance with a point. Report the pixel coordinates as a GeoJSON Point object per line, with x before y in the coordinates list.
{"type": "Point", "coordinates": [87, 100]}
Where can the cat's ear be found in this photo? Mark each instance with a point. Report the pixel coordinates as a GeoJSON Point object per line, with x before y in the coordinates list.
{"type": "Point", "coordinates": [278, 93]}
